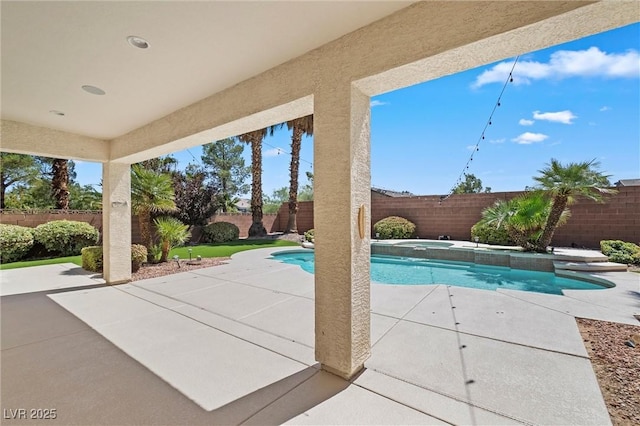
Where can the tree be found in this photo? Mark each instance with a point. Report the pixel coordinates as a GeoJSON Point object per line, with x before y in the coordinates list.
{"type": "Point", "coordinates": [166, 164]}
{"type": "Point", "coordinates": [16, 169]}
{"type": "Point", "coordinates": [471, 185]}
{"type": "Point", "coordinates": [523, 217]}
{"type": "Point", "coordinates": [299, 126]}
{"type": "Point", "coordinates": [564, 183]}
{"type": "Point", "coordinates": [278, 197]}
{"type": "Point", "coordinates": [171, 232]}
{"type": "Point", "coordinates": [226, 169]}
{"type": "Point", "coordinates": [195, 199]}
{"type": "Point", "coordinates": [60, 183]}
{"type": "Point", "coordinates": [150, 193]}
{"type": "Point", "coordinates": [255, 138]}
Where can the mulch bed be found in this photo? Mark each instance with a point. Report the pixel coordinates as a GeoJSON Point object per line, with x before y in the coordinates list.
{"type": "Point", "coordinates": [171, 267]}
{"type": "Point", "coordinates": [617, 366]}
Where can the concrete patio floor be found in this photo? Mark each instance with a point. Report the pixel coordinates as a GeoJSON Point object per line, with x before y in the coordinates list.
{"type": "Point", "coordinates": [234, 344]}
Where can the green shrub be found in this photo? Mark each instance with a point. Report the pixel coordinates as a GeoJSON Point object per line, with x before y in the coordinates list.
{"type": "Point", "coordinates": [310, 235]}
{"type": "Point", "coordinates": [621, 251]}
{"type": "Point", "coordinates": [15, 242]}
{"type": "Point", "coordinates": [488, 234]}
{"type": "Point", "coordinates": [138, 256]}
{"type": "Point", "coordinates": [92, 258]}
{"type": "Point", "coordinates": [66, 237]}
{"type": "Point", "coordinates": [220, 232]}
{"type": "Point", "coordinates": [394, 227]}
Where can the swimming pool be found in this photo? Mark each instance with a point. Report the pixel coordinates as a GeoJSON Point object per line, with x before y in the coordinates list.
{"type": "Point", "coordinates": [412, 271]}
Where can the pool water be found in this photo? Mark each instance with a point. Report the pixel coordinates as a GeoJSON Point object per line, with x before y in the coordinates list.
{"type": "Point", "coordinates": [411, 271]}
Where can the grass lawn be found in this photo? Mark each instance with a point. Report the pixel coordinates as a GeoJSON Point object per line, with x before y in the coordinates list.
{"type": "Point", "coordinates": [227, 249]}
{"type": "Point", "coordinates": [26, 263]}
{"type": "Point", "coordinates": [204, 250]}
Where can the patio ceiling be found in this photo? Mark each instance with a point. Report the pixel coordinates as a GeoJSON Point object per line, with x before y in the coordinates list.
{"type": "Point", "coordinates": [51, 49]}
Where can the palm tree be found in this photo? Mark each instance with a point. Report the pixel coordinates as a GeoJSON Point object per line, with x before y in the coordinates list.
{"type": "Point", "coordinates": [150, 193]}
{"type": "Point", "coordinates": [171, 232]}
{"type": "Point", "coordinates": [60, 183]}
{"type": "Point", "coordinates": [564, 183]}
{"type": "Point", "coordinates": [523, 217]}
{"type": "Point", "coordinates": [255, 138]}
{"type": "Point", "coordinates": [300, 126]}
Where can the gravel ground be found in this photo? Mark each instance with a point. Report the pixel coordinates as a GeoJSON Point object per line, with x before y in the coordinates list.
{"type": "Point", "coordinates": [617, 366]}
{"type": "Point", "coordinates": [168, 268]}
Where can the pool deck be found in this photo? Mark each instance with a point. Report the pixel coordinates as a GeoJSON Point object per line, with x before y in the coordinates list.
{"type": "Point", "coordinates": [234, 344]}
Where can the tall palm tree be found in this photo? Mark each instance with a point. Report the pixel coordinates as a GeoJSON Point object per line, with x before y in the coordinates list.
{"type": "Point", "coordinates": [300, 126]}
{"type": "Point", "coordinates": [151, 192]}
{"type": "Point", "coordinates": [60, 183]}
{"type": "Point", "coordinates": [255, 138]}
{"type": "Point", "coordinates": [564, 183]}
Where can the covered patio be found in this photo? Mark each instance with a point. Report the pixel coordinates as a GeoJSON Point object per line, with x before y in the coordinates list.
{"type": "Point", "coordinates": [209, 73]}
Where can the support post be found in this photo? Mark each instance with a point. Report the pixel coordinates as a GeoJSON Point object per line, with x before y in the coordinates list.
{"type": "Point", "coordinates": [116, 222]}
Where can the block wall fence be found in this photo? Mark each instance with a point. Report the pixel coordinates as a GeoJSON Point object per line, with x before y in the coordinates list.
{"type": "Point", "coordinates": [590, 222]}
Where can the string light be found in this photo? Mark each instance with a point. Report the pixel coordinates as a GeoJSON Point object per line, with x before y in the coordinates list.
{"type": "Point", "coordinates": [489, 122]}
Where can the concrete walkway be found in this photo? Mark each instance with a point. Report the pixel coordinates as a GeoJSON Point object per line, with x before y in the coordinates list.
{"type": "Point", "coordinates": [233, 344]}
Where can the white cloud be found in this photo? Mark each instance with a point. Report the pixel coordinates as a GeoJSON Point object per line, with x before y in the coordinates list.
{"type": "Point", "coordinates": [501, 140]}
{"type": "Point", "coordinates": [605, 108]}
{"type": "Point", "coordinates": [273, 152]}
{"type": "Point", "coordinates": [525, 122]}
{"type": "Point", "coordinates": [471, 147]}
{"type": "Point", "coordinates": [376, 103]}
{"type": "Point", "coordinates": [528, 138]}
{"type": "Point", "coordinates": [592, 62]}
{"type": "Point", "coordinates": [563, 117]}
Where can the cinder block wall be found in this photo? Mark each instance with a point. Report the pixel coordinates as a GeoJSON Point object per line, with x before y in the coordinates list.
{"type": "Point", "coordinates": [590, 222]}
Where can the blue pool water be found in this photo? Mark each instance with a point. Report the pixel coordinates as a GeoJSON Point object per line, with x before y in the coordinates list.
{"type": "Point", "coordinates": [411, 271]}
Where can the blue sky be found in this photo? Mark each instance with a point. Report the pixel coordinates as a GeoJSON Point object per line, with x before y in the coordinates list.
{"type": "Point", "coordinates": [574, 102]}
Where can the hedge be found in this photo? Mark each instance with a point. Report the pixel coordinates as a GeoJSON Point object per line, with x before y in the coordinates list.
{"type": "Point", "coordinates": [394, 227]}
{"type": "Point", "coordinates": [488, 234]}
{"type": "Point", "coordinates": [66, 237]}
{"type": "Point", "coordinates": [92, 257]}
{"type": "Point", "coordinates": [220, 232]}
{"type": "Point", "coordinates": [15, 242]}
{"type": "Point", "coordinates": [621, 251]}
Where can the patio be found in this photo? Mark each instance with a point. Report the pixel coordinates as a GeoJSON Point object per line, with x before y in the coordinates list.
{"type": "Point", "coordinates": [234, 344]}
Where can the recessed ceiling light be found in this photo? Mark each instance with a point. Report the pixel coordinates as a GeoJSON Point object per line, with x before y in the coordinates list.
{"type": "Point", "coordinates": [93, 90]}
{"type": "Point", "coordinates": [138, 42]}
{"type": "Point", "coordinates": [56, 112]}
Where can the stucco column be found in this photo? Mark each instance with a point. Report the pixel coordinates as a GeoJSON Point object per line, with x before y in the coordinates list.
{"type": "Point", "coordinates": [341, 186]}
{"type": "Point", "coordinates": [116, 222]}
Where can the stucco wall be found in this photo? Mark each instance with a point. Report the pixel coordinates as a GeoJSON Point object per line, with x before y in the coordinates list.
{"type": "Point", "coordinates": [590, 222]}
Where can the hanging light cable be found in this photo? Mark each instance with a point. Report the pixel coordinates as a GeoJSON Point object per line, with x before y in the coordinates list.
{"type": "Point", "coordinates": [488, 123]}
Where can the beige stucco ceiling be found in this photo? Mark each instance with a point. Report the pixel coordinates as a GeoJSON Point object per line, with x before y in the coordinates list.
{"type": "Point", "coordinates": [51, 49]}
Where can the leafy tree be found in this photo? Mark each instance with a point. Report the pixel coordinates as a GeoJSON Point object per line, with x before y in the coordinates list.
{"type": "Point", "coordinates": [195, 199]}
{"type": "Point", "coordinates": [171, 233]}
{"type": "Point", "coordinates": [151, 192]}
{"type": "Point", "coordinates": [471, 185]}
{"type": "Point", "coordinates": [564, 183]}
{"type": "Point", "coordinates": [299, 126]}
{"type": "Point", "coordinates": [278, 197]}
{"type": "Point", "coordinates": [84, 197]}
{"type": "Point", "coordinates": [166, 164]}
{"type": "Point", "coordinates": [226, 169]}
{"type": "Point", "coordinates": [16, 169]}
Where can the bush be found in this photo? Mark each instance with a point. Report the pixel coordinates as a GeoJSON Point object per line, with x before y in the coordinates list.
{"type": "Point", "coordinates": [15, 242]}
{"type": "Point", "coordinates": [394, 227]}
{"type": "Point", "coordinates": [92, 257]}
{"type": "Point", "coordinates": [488, 234]}
{"type": "Point", "coordinates": [621, 252]}
{"type": "Point", "coordinates": [138, 256]}
{"type": "Point", "coordinates": [66, 237]}
{"type": "Point", "coordinates": [220, 232]}
{"type": "Point", "coordinates": [310, 235]}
